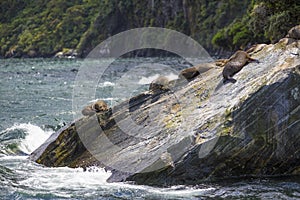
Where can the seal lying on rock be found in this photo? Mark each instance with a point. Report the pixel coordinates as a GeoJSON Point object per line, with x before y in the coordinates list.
{"type": "Point", "coordinates": [98, 106]}
{"type": "Point", "coordinates": [221, 62]}
{"type": "Point", "coordinates": [236, 62]}
{"type": "Point", "coordinates": [159, 85]}
{"type": "Point", "coordinates": [294, 33]}
{"type": "Point", "coordinates": [192, 72]}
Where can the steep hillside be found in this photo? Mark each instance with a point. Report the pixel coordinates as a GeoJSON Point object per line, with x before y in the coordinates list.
{"type": "Point", "coordinates": [43, 28]}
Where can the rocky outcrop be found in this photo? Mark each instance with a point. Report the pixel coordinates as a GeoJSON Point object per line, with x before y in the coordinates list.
{"type": "Point", "coordinates": [67, 53]}
{"type": "Point", "coordinates": [193, 132]}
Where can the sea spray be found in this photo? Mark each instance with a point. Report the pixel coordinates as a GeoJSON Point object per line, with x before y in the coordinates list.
{"type": "Point", "coordinates": [22, 139]}
{"type": "Point", "coordinates": [26, 179]}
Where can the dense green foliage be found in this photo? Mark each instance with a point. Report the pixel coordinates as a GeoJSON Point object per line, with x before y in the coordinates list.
{"type": "Point", "coordinates": [42, 28]}
{"type": "Point", "coordinates": [266, 21]}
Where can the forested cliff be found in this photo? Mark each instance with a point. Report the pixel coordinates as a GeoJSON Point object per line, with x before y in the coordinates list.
{"type": "Point", "coordinates": [42, 28]}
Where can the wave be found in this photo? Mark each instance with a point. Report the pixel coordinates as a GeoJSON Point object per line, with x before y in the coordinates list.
{"type": "Point", "coordinates": [173, 192]}
{"type": "Point", "coordinates": [60, 178]}
{"type": "Point", "coordinates": [22, 139]}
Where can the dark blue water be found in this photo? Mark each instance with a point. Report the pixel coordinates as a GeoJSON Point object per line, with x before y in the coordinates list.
{"type": "Point", "coordinates": [36, 100]}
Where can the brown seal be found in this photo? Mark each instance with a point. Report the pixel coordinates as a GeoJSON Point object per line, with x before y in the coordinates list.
{"type": "Point", "coordinates": [159, 85]}
{"type": "Point", "coordinates": [294, 32]}
{"type": "Point", "coordinates": [98, 106]}
{"type": "Point", "coordinates": [195, 71]}
{"type": "Point", "coordinates": [221, 62]}
{"type": "Point", "coordinates": [236, 62]}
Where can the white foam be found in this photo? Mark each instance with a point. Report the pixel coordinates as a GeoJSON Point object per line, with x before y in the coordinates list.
{"type": "Point", "coordinates": [148, 80]}
{"type": "Point", "coordinates": [54, 179]}
{"type": "Point", "coordinates": [67, 182]}
{"type": "Point", "coordinates": [174, 191]}
{"type": "Point", "coordinates": [106, 84]}
{"type": "Point", "coordinates": [172, 76]}
{"type": "Point", "coordinates": [35, 136]}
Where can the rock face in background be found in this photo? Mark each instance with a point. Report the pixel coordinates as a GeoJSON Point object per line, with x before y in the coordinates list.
{"type": "Point", "coordinates": [195, 132]}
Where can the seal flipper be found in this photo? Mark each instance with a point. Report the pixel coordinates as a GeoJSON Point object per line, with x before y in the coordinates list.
{"type": "Point", "coordinates": [257, 61]}
{"type": "Point", "coordinates": [229, 80]}
{"type": "Point", "coordinates": [253, 60]}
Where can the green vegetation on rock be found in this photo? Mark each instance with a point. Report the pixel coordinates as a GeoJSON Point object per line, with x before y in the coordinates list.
{"type": "Point", "coordinates": [265, 21]}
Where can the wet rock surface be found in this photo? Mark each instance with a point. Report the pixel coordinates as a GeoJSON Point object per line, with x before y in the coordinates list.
{"type": "Point", "coordinates": [195, 132]}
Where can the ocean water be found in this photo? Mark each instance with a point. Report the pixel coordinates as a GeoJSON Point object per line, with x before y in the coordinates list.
{"type": "Point", "coordinates": [36, 100]}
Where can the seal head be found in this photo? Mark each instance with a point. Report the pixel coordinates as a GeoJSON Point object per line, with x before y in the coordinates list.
{"type": "Point", "coordinates": [98, 106]}
{"type": "Point", "coordinates": [161, 84]}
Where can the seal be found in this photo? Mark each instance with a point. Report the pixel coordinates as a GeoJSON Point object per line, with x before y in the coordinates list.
{"type": "Point", "coordinates": [221, 62]}
{"type": "Point", "coordinates": [294, 33]}
{"type": "Point", "coordinates": [235, 64]}
{"type": "Point", "coordinates": [192, 72]}
{"type": "Point", "coordinates": [98, 106]}
{"type": "Point", "coordinates": [160, 84]}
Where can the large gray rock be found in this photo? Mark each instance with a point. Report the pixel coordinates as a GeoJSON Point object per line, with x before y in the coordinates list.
{"type": "Point", "coordinates": [195, 132]}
